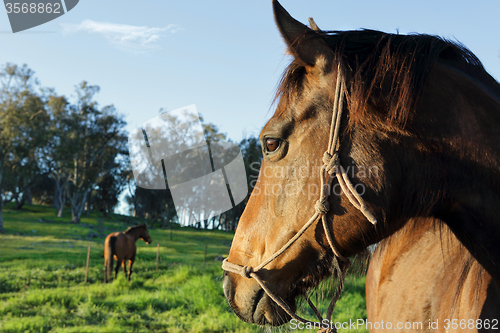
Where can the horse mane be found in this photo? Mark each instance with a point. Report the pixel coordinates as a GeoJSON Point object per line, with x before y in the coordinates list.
{"type": "Point", "coordinates": [134, 228]}
{"type": "Point", "coordinates": [386, 71]}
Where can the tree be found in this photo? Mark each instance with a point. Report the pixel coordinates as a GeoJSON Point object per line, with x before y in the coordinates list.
{"type": "Point", "coordinates": [23, 122]}
{"type": "Point", "coordinates": [155, 204]}
{"type": "Point", "coordinates": [22, 166]}
{"type": "Point", "coordinates": [183, 127]}
{"type": "Point", "coordinates": [96, 137]}
{"type": "Point", "coordinates": [85, 142]}
{"type": "Point", "coordinates": [42, 134]}
{"type": "Point", "coordinates": [56, 154]}
{"type": "Point", "coordinates": [43, 190]}
{"type": "Point", "coordinates": [252, 158]}
{"type": "Point", "coordinates": [104, 197]}
{"type": "Point", "coordinates": [211, 135]}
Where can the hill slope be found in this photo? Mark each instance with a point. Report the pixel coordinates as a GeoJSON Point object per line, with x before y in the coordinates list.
{"type": "Point", "coordinates": [42, 271]}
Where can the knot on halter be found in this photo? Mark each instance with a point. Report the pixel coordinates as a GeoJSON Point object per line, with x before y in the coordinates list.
{"type": "Point", "coordinates": [322, 207]}
{"type": "Point", "coordinates": [331, 162]}
{"type": "Point", "coordinates": [246, 271]}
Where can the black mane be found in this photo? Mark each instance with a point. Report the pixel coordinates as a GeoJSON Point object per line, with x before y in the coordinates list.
{"type": "Point", "coordinates": [133, 228]}
{"type": "Point", "coordinates": [388, 71]}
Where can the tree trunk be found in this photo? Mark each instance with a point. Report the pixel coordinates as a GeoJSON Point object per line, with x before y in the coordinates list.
{"type": "Point", "coordinates": [60, 211]}
{"type": "Point", "coordinates": [29, 197]}
{"type": "Point", "coordinates": [76, 212]}
{"type": "Point", "coordinates": [106, 210]}
{"type": "Point", "coordinates": [24, 194]}
{"type": "Point", "coordinates": [19, 202]}
{"type": "Point", "coordinates": [60, 193]}
{"type": "Point", "coordinates": [87, 204]}
{"type": "Point", "coordinates": [75, 215]}
{"type": "Point", "coordinates": [218, 219]}
{"type": "Point", "coordinates": [78, 200]}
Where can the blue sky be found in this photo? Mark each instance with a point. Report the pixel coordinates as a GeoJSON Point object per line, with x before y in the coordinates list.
{"type": "Point", "coordinates": [225, 56]}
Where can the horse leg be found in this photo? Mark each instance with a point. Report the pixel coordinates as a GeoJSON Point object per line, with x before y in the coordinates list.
{"type": "Point", "coordinates": [105, 268]}
{"type": "Point", "coordinates": [118, 262]}
{"type": "Point", "coordinates": [130, 264]}
{"type": "Point", "coordinates": [124, 265]}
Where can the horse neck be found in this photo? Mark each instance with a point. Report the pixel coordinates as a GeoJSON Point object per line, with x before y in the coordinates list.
{"type": "Point", "coordinates": [135, 233]}
{"type": "Point", "coordinates": [454, 172]}
{"type": "Point", "coordinates": [428, 244]}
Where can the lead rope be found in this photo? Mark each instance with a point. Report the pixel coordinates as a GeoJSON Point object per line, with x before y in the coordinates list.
{"type": "Point", "coordinates": [331, 166]}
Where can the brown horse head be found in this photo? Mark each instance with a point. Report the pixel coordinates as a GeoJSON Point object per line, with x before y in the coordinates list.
{"type": "Point", "coordinates": [144, 235]}
{"type": "Point", "coordinates": [288, 186]}
{"type": "Point", "coordinates": [402, 134]}
{"type": "Point", "coordinates": [139, 232]}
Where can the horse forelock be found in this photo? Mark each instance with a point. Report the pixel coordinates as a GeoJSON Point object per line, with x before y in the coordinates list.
{"type": "Point", "coordinates": [385, 73]}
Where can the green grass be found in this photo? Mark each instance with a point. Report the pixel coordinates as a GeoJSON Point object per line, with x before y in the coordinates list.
{"type": "Point", "coordinates": [42, 271]}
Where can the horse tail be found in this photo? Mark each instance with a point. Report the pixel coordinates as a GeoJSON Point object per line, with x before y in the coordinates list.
{"type": "Point", "coordinates": [110, 251]}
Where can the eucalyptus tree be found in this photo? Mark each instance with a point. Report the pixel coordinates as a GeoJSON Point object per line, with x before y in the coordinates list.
{"type": "Point", "coordinates": [95, 138]}
{"type": "Point", "coordinates": [23, 123]}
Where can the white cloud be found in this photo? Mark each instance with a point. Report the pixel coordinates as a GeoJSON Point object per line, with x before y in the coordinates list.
{"type": "Point", "coordinates": [132, 39]}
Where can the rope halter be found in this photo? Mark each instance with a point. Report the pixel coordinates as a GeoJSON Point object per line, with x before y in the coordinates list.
{"type": "Point", "coordinates": [331, 168]}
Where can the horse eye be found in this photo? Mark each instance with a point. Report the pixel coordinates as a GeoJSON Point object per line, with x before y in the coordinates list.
{"type": "Point", "coordinates": [272, 144]}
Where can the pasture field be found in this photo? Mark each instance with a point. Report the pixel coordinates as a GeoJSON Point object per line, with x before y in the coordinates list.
{"type": "Point", "coordinates": [42, 271]}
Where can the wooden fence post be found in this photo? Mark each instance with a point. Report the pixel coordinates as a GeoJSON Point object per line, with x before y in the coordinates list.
{"type": "Point", "coordinates": [87, 266]}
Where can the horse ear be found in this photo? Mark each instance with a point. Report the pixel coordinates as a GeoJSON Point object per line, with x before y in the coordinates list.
{"type": "Point", "coordinates": [304, 44]}
{"type": "Point", "coordinates": [313, 25]}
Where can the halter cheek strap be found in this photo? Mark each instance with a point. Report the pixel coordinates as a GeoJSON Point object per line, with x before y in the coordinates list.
{"type": "Point", "coordinates": [331, 168]}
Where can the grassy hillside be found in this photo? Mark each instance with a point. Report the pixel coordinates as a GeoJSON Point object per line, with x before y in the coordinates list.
{"type": "Point", "coordinates": [42, 271]}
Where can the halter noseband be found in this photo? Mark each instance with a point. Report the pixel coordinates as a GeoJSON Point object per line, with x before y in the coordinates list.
{"type": "Point", "coordinates": [331, 167]}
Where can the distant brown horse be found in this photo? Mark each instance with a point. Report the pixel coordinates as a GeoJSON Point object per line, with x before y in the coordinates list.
{"type": "Point", "coordinates": [417, 138]}
{"type": "Point", "coordinates": [423, 277]}
{"type": "Point", "coordinates": [121, 246]}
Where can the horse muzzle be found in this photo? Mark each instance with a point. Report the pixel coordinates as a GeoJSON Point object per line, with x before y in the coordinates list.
{"type": "Point", "coordinates": [250, 302]}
